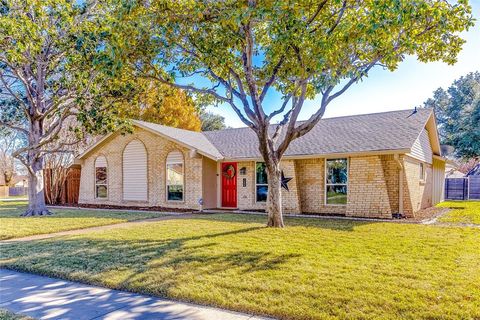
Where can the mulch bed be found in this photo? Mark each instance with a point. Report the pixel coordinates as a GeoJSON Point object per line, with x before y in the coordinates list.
{"type": "Point", "coordinates": [422, 215]}
{"type": "Point", "coordinates": [428, 213]}
{"type": "Point", "coordinates": [118, 207]}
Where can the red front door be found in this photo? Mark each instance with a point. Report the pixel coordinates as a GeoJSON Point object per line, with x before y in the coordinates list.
{"type": "Point", "coordinates": [229, 184]}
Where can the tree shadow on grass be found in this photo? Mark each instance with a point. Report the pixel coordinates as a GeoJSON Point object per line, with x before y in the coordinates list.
{"type": "Point", "coordinates": [146, 266]}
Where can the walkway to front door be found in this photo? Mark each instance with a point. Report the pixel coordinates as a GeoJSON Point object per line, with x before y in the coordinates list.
{"type": "Point", "coordinates": [229, 184]}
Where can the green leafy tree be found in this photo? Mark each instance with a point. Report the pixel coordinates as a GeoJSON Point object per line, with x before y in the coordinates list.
{"type": "Point", "coordinates": [242, 50]}
{"type": "Point", "coordinates": [211, 121]}
{"type": "Point", "coordinates": [52, 69]}
{"type": "Point", "coordinates": [458, 114]}
{"type": "Point", "coordinates": [160, 104]}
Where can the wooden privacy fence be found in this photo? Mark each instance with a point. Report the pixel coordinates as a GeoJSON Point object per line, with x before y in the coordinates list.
{"type": "Point", "coordinates": [467, 188]}
{"type": "Point", "coordinates": [69, 190]}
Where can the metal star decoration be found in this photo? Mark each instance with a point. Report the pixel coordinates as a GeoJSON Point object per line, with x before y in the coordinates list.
{"type": "Point", "coordinates": [285, 181]}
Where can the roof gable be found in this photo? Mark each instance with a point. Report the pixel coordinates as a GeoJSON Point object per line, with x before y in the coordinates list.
{"type": "Point", "coordinates": [190, 139]}
{"type": "Point", "coordinates": [186, 138]}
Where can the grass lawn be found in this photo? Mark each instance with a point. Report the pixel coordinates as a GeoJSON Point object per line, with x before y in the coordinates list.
{"type": "Point", "coordinates": [462, 212]}
{"type": "Point", "coordinates": [14, 226]}
{"type": "Point", "coordinates": [312, 269]}
{"type": "Point", "coordinates": [7, 315]}
{"type": "Point", "coordinates": [16, 197]}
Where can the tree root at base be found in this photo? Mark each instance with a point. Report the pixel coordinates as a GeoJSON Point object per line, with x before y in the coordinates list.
{"type": "Point", "coordinates": [36, 213]}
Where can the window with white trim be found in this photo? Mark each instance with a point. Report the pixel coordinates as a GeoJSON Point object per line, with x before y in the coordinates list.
{"type": "Point", "coordinates": [261, 182]}
{"type": "Point", "coordinates": [175, 176]}
{"type": "Point", "coordinates": [422, 172]}
{"type": "Point", "coordinates": [336, 180]}
{"type": "Point", "coordinates": [101, 178]}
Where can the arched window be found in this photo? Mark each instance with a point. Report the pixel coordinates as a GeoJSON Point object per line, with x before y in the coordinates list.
{"type": "Point", "coordinates": [101, 178]}
{"type": "Point", "coordinates": [175, 173]}
{"type": "Point", "coordinates": [135, 181]}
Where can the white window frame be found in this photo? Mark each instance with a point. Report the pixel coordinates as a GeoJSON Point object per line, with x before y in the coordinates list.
{"type": "Point", "coordinates": [95, 178]}
{"type": "Point", "coordinates": [258, 184]}
{"type": "Point", "coordinates": [325, 184]}
{"type": "Point", "coordinates": [421, 167]}
{"type": "Point", "coordinates": [183, 177]}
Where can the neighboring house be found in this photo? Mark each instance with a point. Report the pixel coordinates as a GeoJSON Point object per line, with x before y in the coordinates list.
{"type": "Point", "coordinates": [18, 181]}
{"type": "Point", "coordinates": [374, 165]}
{"type": "Point", "coordinates": [451, 170]}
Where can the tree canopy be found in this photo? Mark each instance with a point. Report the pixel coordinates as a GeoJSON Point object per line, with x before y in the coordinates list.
{"type": "Point", "coordinates": [237, 52]}
{"type": "Point", "coordinates": [458, 114]}
{"type": "Point", "coordinates": [54, 68]}
{"type": "Point", "coordinates": [211, 121]}
{"type": "Point", "coordinates": [160, 104]}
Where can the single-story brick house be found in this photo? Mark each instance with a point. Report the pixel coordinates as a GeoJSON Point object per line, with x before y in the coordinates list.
{"type": "Point", "coordinates": [375, 165]}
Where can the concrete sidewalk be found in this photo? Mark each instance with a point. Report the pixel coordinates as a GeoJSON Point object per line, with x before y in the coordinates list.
{"type": "Point", "coordinates": [47, 298]}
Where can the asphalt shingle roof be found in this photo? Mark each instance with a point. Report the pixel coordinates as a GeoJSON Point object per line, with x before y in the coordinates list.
{"type": "Point", "coordinates": [395, 130]}
{"type": "Point", "coordinates": [352, 134]}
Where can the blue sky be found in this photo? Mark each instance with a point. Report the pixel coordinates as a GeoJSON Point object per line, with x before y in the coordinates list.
{"type": "Point", "coordinates": [408, 86]}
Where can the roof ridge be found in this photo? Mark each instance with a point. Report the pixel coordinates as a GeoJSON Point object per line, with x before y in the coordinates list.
{"type": "Point", "coordinates": [162, 125]}
{"type": "Point", "coordinates": [332, 118]}
{"type": "Point", "coordinates": [377, 113]}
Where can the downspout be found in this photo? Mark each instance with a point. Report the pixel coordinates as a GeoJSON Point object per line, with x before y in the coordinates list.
{"type": "Point", "coordinates": [400, 185]}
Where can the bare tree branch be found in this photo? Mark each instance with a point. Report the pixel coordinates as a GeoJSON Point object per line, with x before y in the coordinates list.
{"type": "Point", "coordinates": [247, 58]}
{"type": "Point", "coordinates": [11, 92]}
{"type": "Point", "coordinates": [319, 8]}
{"type": "Point", "coordinates": [339, 18]}
{"type": "Point", "coordinates": [272, 78]}
{"type": "Point", "coordinates": [282, 108]}
{"type": "Point", "coordinates": [13, 127]}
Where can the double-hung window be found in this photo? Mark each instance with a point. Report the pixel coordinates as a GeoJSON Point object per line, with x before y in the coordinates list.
{"type": "Point", "coordinates": [101, 182]}
{"type": "Point", "coordinates": [336, 174]}
{"type": "Point", "coordinates": [175, 176]}
{"type": "Point", "coordinates": [261, 182]}
{"type": "Point", "coordinates": [422, 172]}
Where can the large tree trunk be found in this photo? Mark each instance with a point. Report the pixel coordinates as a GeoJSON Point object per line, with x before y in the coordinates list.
{"type": "Point", "coordinates": [274, 198]}
{"type": "Point", "coordinates": [36, 198]}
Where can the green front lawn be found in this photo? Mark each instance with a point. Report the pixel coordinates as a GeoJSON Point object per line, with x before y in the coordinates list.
{"type": "Point", "coordinates": [312, 269]}
{"type": "Point", "coordinates": [14, 226]}
{"type": "Point", "coordinates": [7, 315]}
{"type": "Point", "coordinates": [462, 212]}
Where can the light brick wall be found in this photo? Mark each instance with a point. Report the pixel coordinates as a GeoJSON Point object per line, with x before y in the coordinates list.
{"type": "Point", "coordinates": [291, 198]}
{"type": "Point", "coordinates": [417, 193]}
{"type": "Point", "coordinates": [311, 185]}
{"type": "Point", "coordinates": [391, 173]}
{"type": "Point", "coordinates": [157, 151]}
{"type": "Point", "coordinates": [246, 195]}
{"type": "Point", "coordinates": [372, 187]}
